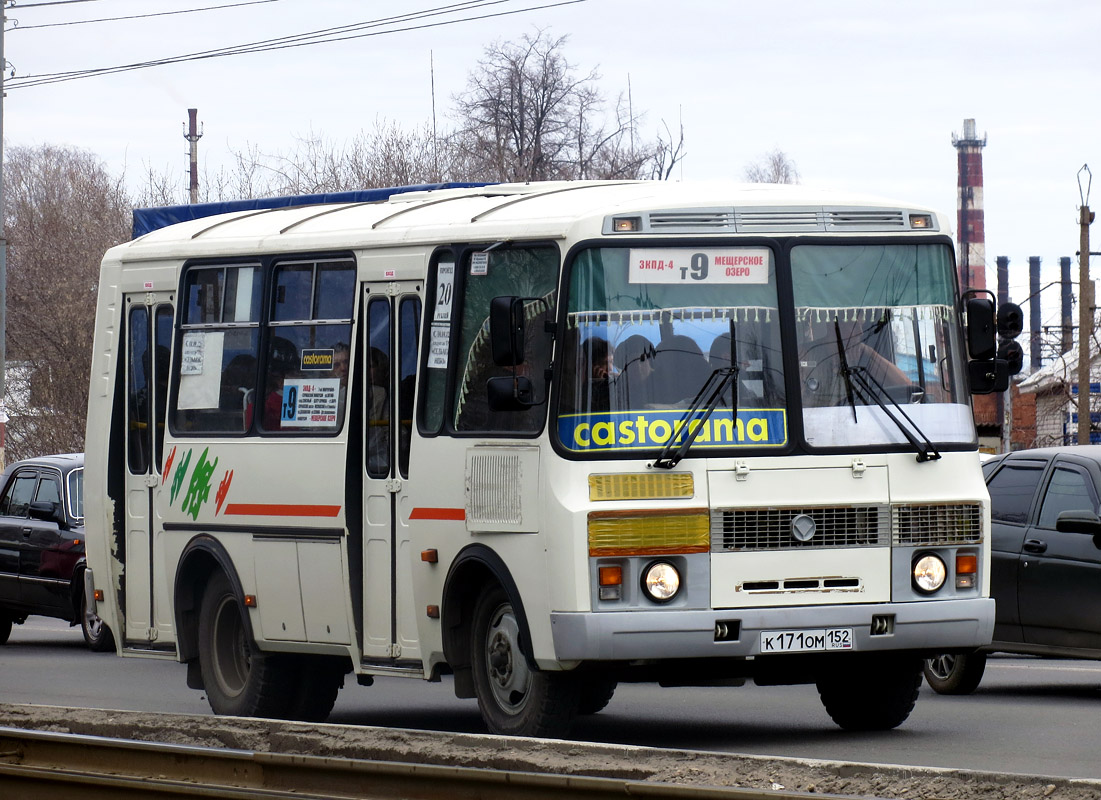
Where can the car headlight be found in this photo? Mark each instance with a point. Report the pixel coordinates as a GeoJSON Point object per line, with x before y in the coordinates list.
{"type": "Point", "coordinates": [929, 573]}
{"type": "Point", "coordinates": [661, 581]}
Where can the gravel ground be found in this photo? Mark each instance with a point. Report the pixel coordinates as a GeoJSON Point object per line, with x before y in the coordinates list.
{"type": "Point", "coordinates": [544, 755]}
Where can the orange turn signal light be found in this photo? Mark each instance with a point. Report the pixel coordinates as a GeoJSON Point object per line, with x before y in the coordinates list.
{"type": "Point", "coordinates": [611, 575]}
{"type": "Point", "coordinates": [967, 563]}
{"type": "Point", "coordinates": [250, 601]}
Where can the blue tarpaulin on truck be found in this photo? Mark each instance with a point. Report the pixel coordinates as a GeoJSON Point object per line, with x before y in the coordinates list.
{"type": "Point", "coordinates": [151, 219]}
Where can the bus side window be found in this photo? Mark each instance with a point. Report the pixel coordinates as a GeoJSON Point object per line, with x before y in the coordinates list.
{"type": "Point", "coordinates": [309, 333]}
{"type": "Point", "coordinates": [218, 349]}
{"type": "Point", "coordinates": [530, 272]}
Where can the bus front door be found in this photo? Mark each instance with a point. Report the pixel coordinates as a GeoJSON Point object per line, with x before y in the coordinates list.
{"type": "Point", "coordinates": [148, 344]}
{"type": "Point", "coordinates": [391, 317]}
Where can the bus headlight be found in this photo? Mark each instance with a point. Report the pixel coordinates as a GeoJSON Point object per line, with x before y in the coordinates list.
{"type": "Point", "coordinates": [661, 581]}
{"type": "Point", "coordinates": [929, 573]}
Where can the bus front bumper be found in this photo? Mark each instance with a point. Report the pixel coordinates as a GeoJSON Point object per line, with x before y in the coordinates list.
{"type": "Point", "coordinates": [930, 626]}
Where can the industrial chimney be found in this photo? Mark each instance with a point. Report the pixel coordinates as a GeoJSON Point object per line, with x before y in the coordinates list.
{"type": "Point", "coordinates": [969, 208]}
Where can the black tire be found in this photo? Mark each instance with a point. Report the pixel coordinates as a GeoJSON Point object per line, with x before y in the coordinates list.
{"type": "Point", "coordinates": [596, 693]}
{"type": "Point", "coordinates": [871, 692]}
{"type": "Point", "coordinates": [514, 699]}
{"type": "Point", "coordinates": [240, 679]}
{"type": "Point", "coordinates": [956, 673]}
{"type": "Point", "coordinates": [5, 627]}
{"type": "Point", "coordinates": [318, 681]}
{"type": "Point", "coordinates": [97, 635]}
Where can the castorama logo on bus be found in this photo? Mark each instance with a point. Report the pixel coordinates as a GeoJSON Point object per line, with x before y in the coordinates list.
{"type": "Point", "coordinates": [645, 430]}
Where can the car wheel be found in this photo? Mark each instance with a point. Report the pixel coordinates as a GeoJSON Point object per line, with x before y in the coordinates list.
{"type": "Point", "coordinates": [5, 627]}
{"type": "Point", "coordinates": [955, 673]}
{"type": "Point", "coordinates": [97, 635]}
{"type": "Point", "coordinates": [240, 679]}
{"type": "Point", "coordinates": [871, 693]}
{"type": "Point", "coordinates": [513, 698]}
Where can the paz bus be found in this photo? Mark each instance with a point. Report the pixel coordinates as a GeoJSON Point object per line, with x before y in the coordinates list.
{"type": "Point", "coordinates": [542, 438]}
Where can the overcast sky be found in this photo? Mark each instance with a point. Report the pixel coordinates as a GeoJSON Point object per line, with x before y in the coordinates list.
{"type": "Point", "coordinates": [861, 95]}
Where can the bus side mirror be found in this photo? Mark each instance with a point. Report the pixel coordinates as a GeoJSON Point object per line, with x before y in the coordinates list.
{"type": "Point", "coordinates": [982, 340]}
{"type": "Point", "coordinates": [506, 330]}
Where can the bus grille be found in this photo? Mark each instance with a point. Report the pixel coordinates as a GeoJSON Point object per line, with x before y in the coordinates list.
{"type": "Point", "coordinates": [771, 528]}
{"type": "Point", "coordinates": [945, 524]}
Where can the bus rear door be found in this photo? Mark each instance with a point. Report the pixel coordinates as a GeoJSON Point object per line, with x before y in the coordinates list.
{"type": "Point", "coordinates": [148, 345]}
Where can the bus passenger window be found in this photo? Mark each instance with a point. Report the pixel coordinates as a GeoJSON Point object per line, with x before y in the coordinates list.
{"type": "Point", "coordinates": [309, 334]}
{"type": "Point", "coordinates": [218, 350]}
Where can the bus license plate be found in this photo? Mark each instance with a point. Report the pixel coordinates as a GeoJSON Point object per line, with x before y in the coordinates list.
{"type": "Point", "coordinates": [806, 641]}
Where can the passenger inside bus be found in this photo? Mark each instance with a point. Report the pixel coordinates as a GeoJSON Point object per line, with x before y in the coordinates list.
{"type": "Point", "coordinates": [634, 358]}
{"type": "Point", "coordinates": [282, 364]}
{"type": "Point", "coordinates": [341, 360]}
{"type": "Point", "coordinates": [597, 357]}
{"type": "Point", "coordinates": [680, 370]}
{"type": "Point", "coordinates": [238, 388]}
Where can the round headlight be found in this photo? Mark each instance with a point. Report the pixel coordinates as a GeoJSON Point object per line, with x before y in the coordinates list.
{"type": "Point", "coordinates": [661, 581]}
{"type": "Point", "coordinates": [929, 573]}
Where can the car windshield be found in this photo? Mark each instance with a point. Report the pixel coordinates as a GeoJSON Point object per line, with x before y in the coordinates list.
{"type": "Point", "coordinates": [885, 311]}
{"type": "Point", "coordinates": [647, 327]}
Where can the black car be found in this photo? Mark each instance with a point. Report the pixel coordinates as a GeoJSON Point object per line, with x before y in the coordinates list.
{"type": "Point", "coordinates": [1046, 561]}
{"type": "Point", "coordinates": [42, 546]}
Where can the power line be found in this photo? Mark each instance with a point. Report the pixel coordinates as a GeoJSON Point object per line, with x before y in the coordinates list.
{"type": "Point", "coordinates": [132, 16]}
{"type": "Point", "coordinates": [57, 3]}
{"type": "Point", "coordinates": [298, 40]}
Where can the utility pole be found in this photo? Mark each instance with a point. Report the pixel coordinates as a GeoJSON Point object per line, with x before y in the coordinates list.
{"type": "Point", "coordinates": [193, 135]}
{"type": "Point", "coordinates": [3, 257]}
{"type": "Point", "coordinates": [1085, 308]}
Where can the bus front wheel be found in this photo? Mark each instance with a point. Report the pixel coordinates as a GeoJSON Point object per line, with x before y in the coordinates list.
{"type": "Point", "coordinates": [240, 680]}
{"type": "Point", "coordinates": [513, 698]}
{"type": "Point", "coordinates": [871, 692]}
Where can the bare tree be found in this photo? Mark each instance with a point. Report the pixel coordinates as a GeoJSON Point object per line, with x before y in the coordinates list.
{"type": "Point", "coordinates": [526, 115]}
{"type": "Point", "coordinates": [63, 210]}
{"type": "Point", "coordinates": [774, 167]}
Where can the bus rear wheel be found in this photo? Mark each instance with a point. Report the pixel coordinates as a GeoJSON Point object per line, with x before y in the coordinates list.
{"type": "Point", "coordinates": [240, 680]}
{"type": "Point", "coordinates": [871, 692]}
{"type": "Point", "coordinates": [513, 698]}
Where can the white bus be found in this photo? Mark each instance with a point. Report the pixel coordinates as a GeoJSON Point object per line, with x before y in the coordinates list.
{"type": "Point", "coordinates": [542, 438]}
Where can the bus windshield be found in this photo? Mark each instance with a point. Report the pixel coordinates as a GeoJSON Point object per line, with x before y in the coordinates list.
{"type": "Point", "coordinates": [646, 327]}
{"type": "Point", "coordinates": [887, 312]}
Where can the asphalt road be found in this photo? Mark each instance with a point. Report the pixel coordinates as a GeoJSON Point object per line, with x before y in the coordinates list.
{"type": "Point", "coordinates": [1028, 716]}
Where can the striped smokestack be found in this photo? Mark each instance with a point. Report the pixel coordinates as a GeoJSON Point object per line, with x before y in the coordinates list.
{"type": "Point", "coordinates": [969, 222]}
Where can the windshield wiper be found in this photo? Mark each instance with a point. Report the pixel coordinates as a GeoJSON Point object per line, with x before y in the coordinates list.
{"type": "Point", "coordinates": [708, 398]}
{"type": "Point", "coordinates": [844, 361]}
{"type": "Point", "coordinates": [861, 383]}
